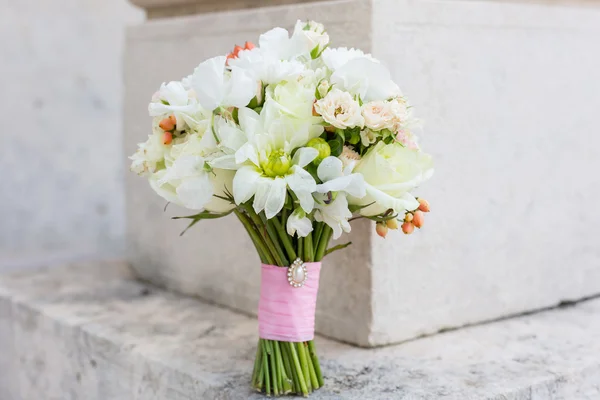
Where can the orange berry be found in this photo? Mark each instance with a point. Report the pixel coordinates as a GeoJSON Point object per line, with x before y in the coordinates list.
{"type": "Point", "coordinates": [166, 124]}
{"type": "Point", "coordinates": [408, 217]}
{"type": "Point", "coordinates": [418, 219]}
{"type": "Point", "coordinates": [249, 45]}
{"type": "Point", "coordinates": [381, 229]}
{"type": "Point", "coordinates": [173, 119]}
{"type": "Point", "coordinates": [423, 205]}
{"type": "Point", "coordinates": [167, 138]}
{"type": "Point", "coordinates": [408, 228]}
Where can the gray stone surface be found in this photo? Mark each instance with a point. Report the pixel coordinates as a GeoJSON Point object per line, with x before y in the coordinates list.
{"type": "Point", "coordinates": [90, 331]}
{"type": "Point", "coordinates": [61, 146]}
{"type": "Point", "coordinates": [169, 8]}
{"type": "Point", "coordinates": [510, 120]}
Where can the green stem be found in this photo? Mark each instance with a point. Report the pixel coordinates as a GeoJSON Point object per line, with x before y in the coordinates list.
{"type": "Point", "coordinates": [284, 382]}
{"type": "Point", "coordinates": [275, 239]}
{"type": "Point", "coordinates": [286, 361]}
{"type": "Point", "coordinates": [273, 365]}
{"type": "Point", "coordinates": [299, 373]}
{"type": "Point", "coordinates": [257, 365]}
{"type": "Point", "coordinates": [266, 368]}
{"type": "Point", "coordinates": [311, 369]}
{"type": "Point", "coordinates": [285, 239]}
{"type": "Point", "coordinates": [317, 235]}
{"type": "Point", "coordinates": [323, 242]}
{"type": "Point", "coordinates": [258, 223]}
{"type": "Point", "coordinates": [308, 248]}
{"type": "Point", "coordinates": [313, 355]}
{"type": "Point", "coordinates": [303, 363]}
{"type": "Point", "coordinates": [262, 250]}
{"type": "Point", "coordinates": [301, 247]}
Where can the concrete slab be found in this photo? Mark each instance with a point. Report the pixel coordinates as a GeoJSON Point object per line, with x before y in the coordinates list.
{"type": "Point", "coordinates": [90, 331]}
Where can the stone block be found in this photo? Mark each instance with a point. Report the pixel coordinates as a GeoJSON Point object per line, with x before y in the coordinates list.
{"type": "Point", "coordinates": [510, 120]}
{"type": "Point", "coordinates": [92, 332]}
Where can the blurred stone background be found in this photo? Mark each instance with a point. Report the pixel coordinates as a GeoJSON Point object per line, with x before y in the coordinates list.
{"type": "Point", "coordinates": [61, 151]}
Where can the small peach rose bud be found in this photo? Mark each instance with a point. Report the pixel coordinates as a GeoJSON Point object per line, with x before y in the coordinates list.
{"type": "Point", "coordinates": [423, 205]}
{"type": "Point", "coordinates": [167, 138]}
{"type": "Point", "coordinates": [381, 229]}
{"type": "Point", "coordinates": [392, 223]}
{"type": "Point", "coordinates": [408, 228]}
{"type": "Point", "coordinates": [418, 219]}
{"type": "Point", "coordinates": [236, 50]}
{"type": "Point", "coordinates": [166, 124]}
{"type": "Point", "coordinates": [408, 217]}
{"type": "Point", "coordinates": [249, 45]}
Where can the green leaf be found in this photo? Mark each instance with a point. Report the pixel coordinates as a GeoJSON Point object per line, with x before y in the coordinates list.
{"type": "Point", "coordinates": [314, 53]}
{"type": "Point", "coordinates": [337, 146]}
{"type": "Point", "coordinates": [338, 247]}
{"type": "Point", "coordinates": [200, 216]}
{"type": "Point", "coordinates": [354, 208]}
{"type": "Point", "coordinates": [354, 138]}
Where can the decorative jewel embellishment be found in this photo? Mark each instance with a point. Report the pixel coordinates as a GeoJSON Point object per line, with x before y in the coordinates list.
{"type": "Point", "coordinates": [297, 273]}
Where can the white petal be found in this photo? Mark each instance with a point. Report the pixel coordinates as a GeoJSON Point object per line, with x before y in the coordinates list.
{"type": "Point", "coordinates": [302, 226]}
{"type": "Point", "coordinates": [245, 153]}
{"type": "Point", "coordinates": [275, 42]}
{"type": "Point", "coordinates": [195, 192]}
{"type": "Point", "coordinates": [187, 166]}
{"type": "Point", "coordinates": [276, 198]}
{"type": "Point", "coordinates": [330, 168]}
{"type": "Point", "coordinates": [303, 185]}
{"type": "Point", "coordinates": [249, 121]}
{"type": "Point", "coordinates": [245, 184]}
{"type": "Point", "coordinates": [207, 82]}
{"type": "Point", "coordinates": [305, 156]}
{"type": "Point", "coordinates": [224, 162]}
{"type": "Point", "coordinates": [231, 136]}
{"type": "Point", "coordinates": [240, 89]}
{"type": "Point", "coordinates": [357, 187]}
{"type": "Point", "coordinates": [262, 194]}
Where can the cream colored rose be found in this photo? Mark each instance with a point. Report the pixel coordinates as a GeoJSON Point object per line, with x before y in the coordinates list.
{"type": "Point", "coordinates": [391, 171]}
{"type": "Point", "coordinates": [378, 115]}
{"type": "Point", "coordinates": [340, 109]}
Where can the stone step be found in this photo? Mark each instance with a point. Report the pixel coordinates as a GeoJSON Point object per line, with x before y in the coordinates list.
{"type": "Point", "coordinates": [91, 331]}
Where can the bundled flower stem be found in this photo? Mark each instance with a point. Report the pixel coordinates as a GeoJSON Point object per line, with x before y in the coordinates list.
{"type": "Point", "coordinates": [284, 367]}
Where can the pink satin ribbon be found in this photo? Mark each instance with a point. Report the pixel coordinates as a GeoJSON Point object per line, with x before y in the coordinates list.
{"type": "Point", "coordinates": [287, 313]}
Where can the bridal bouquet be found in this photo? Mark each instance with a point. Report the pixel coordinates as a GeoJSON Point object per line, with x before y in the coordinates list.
{"type": "Point", "coordinates": [296, 139]}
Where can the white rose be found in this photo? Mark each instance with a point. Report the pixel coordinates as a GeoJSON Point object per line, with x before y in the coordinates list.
{"type": "Point", "coordinates": [378, 115]}
{"type": "Point", "coordinates": [391, 171]}
{"type": "Point", "coordinates": [340, 109]}
{"type": "Point", "coordinates": [399, 109]}
{"type": "Point", "coordinates": [310, 37]}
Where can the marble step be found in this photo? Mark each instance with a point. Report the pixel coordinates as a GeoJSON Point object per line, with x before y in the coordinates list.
{"type": "Point", "coordinates": [91, 331]}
